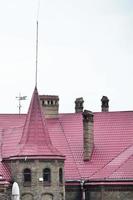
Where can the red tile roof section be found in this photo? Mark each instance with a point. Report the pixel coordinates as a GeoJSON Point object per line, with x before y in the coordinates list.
{"type": "Point", "coordinates": [124, 171]}
{"type": "Point", "coordinates": [112, 141]}
{"type": "Point", "coordinates": [112, 157]}
{"type": "Point", "coordinates": [35, 130]}
{"type": "Point", "coordinates": [5, 174]}
{"type": "Point", "coordinates": [35, 140]}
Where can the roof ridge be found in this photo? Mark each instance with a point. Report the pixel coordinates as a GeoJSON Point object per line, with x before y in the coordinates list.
{"type": "Point", "coordinates": [107, 164]}
{"type": "Point", "coordinates": [131, 146]}
{"type": "Point", "coordinates": [69, 147]}
{"type": "Point", "coordinates": [121, 165]}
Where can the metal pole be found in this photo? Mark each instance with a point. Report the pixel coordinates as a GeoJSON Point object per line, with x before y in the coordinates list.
{"type": "Point", "coordinates": [36, 53]}
{"type": "Point", "coordinates": [19, 106]}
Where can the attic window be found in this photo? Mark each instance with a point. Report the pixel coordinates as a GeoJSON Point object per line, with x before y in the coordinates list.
{"type": "Point", "coordinates": [27, 176]}
{"type": "Point", "coordinates": [47, 176]}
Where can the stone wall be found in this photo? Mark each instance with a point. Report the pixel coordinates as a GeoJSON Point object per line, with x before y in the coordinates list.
{"type": "Point", "coordinates": [37, 190]}
{"type": "Point", "coordinates": [5, 192]}
{"type": "Point", "coordinates": [118, 193]}
{"type": "Point", "coordinates": [55, 191]}
{"type": "Point", "coordinates": [100, 193]}
{"type": "Point", "coordinates": [73, 193]}
{"type": "Point", "coordinates": [109, 193]}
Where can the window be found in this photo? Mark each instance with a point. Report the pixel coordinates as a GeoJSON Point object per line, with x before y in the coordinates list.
{"type": "Point", "coordinates": [60, 176]}
{"type": "Point", "coordinates": [27, 176]}
{"type": "Point", "coordinates": [42, 102]}
{"type": "Point", "coordinates": [47, 176]}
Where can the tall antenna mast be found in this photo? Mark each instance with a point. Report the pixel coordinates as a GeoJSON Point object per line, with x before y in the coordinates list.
{"type": "Point", "coordinates": [37, 43]}
{"type": "Point", "coordinates": [36, 52]}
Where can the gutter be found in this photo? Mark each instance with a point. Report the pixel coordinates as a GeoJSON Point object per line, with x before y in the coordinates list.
{"type": "Point", "coordinates": [109, 182]}
{"type": "Point", "coordinates": [84, 182]}
{"type": "Point", "coordinates": [101, 180]}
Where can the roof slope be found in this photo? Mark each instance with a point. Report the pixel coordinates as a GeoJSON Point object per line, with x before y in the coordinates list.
{"type": "Point", "coordinates": [112, 156]}
{"type": "Point", "coordinates": [35, 140]}
{"type": "Point", "coordinates": [113, 142]}
{"type": "Point", "coordinates": [5, 175]}
{"type": "Point", "coordinates": [35, 130]}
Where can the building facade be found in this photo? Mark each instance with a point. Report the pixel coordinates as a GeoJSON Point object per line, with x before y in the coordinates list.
{"type": "Point", "coordinates": [68, 156]}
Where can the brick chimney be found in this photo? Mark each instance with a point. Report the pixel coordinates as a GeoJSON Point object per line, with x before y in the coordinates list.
{"type": "Point", "coordinates": [50, 105]}
{"type": "Point", "coordinates": [105, 104]}
{"type": "Point", "coordinates": [88, 134]}
{"type": "Point", "coordinates": [79, 105]}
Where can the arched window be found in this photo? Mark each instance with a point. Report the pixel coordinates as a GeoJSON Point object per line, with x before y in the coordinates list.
{"type": "Point", "coordinates": [60, 176]}
{"type": "Point", "coordinates": [47, 176]}
{"type": "Point", "coordinates": [27, 175]}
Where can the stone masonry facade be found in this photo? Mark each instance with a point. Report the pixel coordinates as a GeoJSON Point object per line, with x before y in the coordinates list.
{"type": "Point", "coordinates": [38, 190]}
{"type": "Point", "coordinates": [117, 192]}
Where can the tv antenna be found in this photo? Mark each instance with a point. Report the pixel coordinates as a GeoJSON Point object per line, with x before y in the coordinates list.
{"type": "Point", "coordinates": [20, 98]}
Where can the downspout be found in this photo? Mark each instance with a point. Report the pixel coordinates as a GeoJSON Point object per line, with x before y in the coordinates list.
{"type": "Point", "coordinates": [82, 183]}
{"type": "Point", "coordinates": [82, 189]}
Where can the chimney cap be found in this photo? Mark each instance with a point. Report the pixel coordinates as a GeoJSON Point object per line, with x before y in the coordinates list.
{"type": "Point", "coordinates": [80, 99]}
{"type": "Point", "coordinates": [105, 104]}
{"type": "Point", "coordinates": [105, 98]}
{"type": "Point", "coordinates": [88, 116]}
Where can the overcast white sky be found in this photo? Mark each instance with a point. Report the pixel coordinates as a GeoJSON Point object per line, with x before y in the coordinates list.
{"type": "Point", "coordinates": [85, 49]}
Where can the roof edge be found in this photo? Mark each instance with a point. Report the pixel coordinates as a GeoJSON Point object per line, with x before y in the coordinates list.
{"type": "Point", "coordinates": [34, 157]}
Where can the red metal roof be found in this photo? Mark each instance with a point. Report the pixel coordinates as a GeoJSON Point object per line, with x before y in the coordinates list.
{"type": "Point", "coordinates": [5, 175]}
{"type": "Point", "coordinates": [113, 141]}
{"type": "Point", "coordinates": [31, 139]}
{"type": "Point", "coordinates": [35, 140]}
{"type": "Point", "coordinates": [35, 129]}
